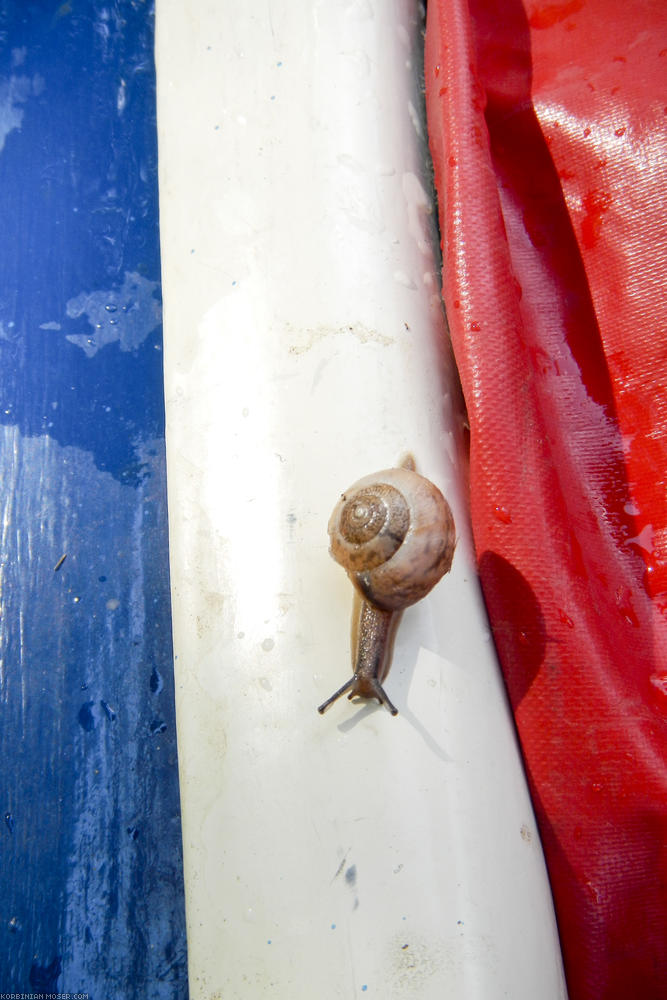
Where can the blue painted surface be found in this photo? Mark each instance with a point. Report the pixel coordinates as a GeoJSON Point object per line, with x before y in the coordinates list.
{"type": "Point", "coordinates": [91, 893]}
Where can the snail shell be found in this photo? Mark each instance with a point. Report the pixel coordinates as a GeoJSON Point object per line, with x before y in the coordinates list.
{"type": "Point", "coordinates": [393, 532]}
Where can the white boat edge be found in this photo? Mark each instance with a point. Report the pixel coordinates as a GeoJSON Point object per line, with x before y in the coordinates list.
{"type": "Point", "coordinates": [305, 346]}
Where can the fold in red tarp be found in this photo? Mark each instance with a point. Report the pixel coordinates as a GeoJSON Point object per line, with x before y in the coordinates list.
{"type": "Point", "coordinates": [548, 133]}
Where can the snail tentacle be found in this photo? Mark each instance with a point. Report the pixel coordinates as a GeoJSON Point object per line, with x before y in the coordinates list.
{"type": "Point", "coordinates": [337, 694]}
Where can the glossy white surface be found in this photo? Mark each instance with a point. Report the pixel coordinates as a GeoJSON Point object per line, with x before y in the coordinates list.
{"type": "Point", "coordinates": [352, 854]}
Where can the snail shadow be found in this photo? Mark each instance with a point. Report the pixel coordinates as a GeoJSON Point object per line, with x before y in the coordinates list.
{"type": "Point", "coordinates": [428, 738]}
{"type": "Point", "coordinates": [367, 708]}
{"type": "Point", "coordinates": [405, 654]}
{"type": "Point", "coordinates": [410, 647]}
{"type": "Point", "coordinates": [520, 636]}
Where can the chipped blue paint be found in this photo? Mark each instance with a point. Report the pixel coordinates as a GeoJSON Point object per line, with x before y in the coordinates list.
{"type": "Point", "coordinates": [126, 316]}
{"type": "Point", "coordinates": [91, 892]}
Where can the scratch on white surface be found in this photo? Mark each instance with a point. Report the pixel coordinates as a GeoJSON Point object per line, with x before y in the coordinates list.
{"type": "Point", "coordinates": [304, 339]}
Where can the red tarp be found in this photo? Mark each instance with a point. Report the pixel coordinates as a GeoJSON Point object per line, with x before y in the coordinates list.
{"type": "Point", "coordinates": [548, 129]}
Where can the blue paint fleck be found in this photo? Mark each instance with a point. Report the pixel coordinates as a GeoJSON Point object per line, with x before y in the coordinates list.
{"type": "Point", "coordinates": [156, 683]}
{"type": "Point", "coordinates": [86, 717]}
{"type": "Point", "coordinates": [108, 710]}
{"type": "Point", "coordinates": [136, 298]}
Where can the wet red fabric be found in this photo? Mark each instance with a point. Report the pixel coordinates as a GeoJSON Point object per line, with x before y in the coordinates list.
{"type": "Point", "coordinates": [548, 131]}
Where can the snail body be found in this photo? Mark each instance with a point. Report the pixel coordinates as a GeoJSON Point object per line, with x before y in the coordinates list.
{"type": "Point", "coordinates": [393, 532]}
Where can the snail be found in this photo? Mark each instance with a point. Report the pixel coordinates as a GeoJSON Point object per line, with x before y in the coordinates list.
{"type": "Point", "coordinates": [393, 532]}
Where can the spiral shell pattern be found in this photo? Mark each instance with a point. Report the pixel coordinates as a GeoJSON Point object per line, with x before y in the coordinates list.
{"type": "Point", "coordinates": [373, 523]}
{"type": "Point", "coordinates": [393, 532]}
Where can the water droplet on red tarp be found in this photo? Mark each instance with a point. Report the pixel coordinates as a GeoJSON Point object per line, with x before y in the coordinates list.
{"type": "Point", "coordinates": [595, 204]}
{"type": "Point", "coordinates": [502, 514]}
{"type": "Point", "coordinates": [655, 580]}
{"type": "Point", "coordinates": [659, 683]}
{"type": "Point", "coordinates": [565, 618]}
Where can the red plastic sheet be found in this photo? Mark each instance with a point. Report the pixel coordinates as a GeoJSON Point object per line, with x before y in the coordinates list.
{"type": "Point", "coordinates": [548, 131]}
